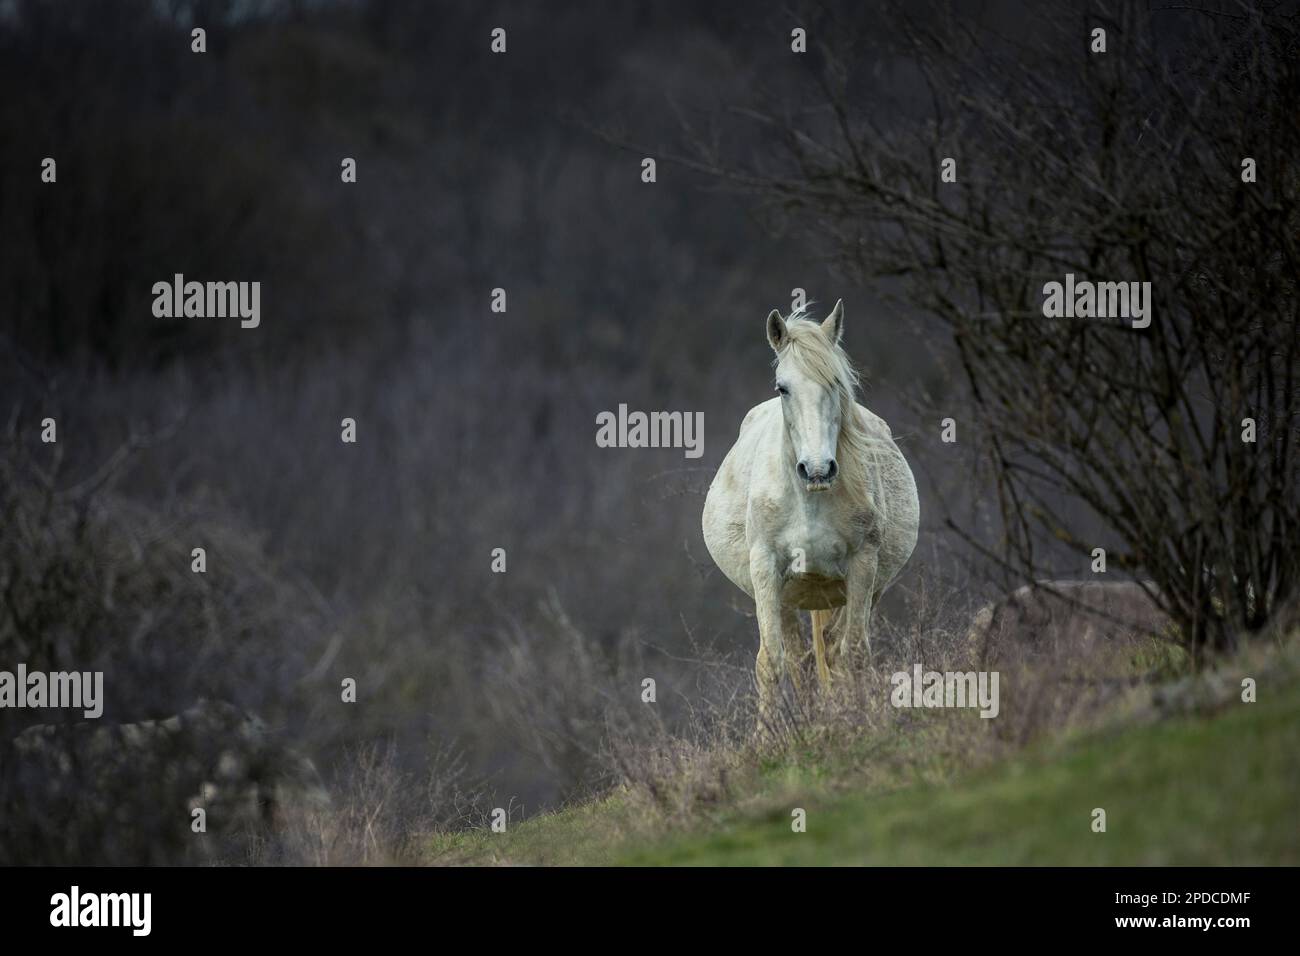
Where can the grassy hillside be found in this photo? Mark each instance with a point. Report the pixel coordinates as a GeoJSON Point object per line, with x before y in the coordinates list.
{"type": "Point", "coordinates": [1212, 788]}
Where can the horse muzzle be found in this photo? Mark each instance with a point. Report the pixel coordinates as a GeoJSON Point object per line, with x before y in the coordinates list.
{"type": "Point", "coordinates": [818, 476]}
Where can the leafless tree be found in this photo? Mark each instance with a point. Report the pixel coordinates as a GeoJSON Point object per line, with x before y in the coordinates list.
{"type": "Point", "coordinates": [1124, 166]}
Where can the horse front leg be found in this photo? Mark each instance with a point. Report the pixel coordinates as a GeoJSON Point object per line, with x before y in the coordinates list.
{"type": "Point", "coordinates": [766, 580]}
{"type": "Point", "coordinates": [795, 652]}
{"type": "Point", "coordinates": [860, 584]}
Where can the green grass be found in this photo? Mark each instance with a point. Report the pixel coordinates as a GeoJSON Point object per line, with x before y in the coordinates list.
{"type": "Point", "coordinates": [1205, 790]}
{"type": "Point", "coordinates": [584, 835]}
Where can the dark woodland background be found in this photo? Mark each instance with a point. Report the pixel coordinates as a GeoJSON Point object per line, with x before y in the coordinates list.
{"type": "Point", "coordinates": [476, 430]}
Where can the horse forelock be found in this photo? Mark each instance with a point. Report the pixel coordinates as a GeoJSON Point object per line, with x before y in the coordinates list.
{"type": "Point", "coordinates": [811, 350]}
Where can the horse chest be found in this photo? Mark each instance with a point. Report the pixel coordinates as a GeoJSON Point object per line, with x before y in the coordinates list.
{"type": "Point", "coordinates": [814, 543]}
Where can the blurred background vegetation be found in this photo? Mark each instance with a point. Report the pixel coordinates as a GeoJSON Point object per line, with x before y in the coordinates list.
{"type": "Point", "coordinates": [476, 430]}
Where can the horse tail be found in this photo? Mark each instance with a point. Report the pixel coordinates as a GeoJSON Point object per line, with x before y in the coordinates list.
{"type": "Point", "coordinates": [830, 619]}
{"type": "Point", "coordinates": [822, 622]}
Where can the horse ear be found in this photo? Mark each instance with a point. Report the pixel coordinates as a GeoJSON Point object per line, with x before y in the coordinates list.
{"type": "Point", "coordinates": [777, 334]}
{"type": "Point", "coordinates": [833, 325]}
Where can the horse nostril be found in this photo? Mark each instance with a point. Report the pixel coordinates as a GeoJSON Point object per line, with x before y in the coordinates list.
{"type": "Point", "coordinates": [831, 469]}
{"type": "Point", "coordinates": [803, 471]}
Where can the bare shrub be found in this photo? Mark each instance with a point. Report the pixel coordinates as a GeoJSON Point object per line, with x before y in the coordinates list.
{"type": "Point", "coordinates": [132, 793]}
{"type": "Point", "coordinates": [380, 814]}
{"type": "Point", "coordinates": [91, 582]}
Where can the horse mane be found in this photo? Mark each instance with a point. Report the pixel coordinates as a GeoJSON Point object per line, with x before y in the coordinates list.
{"type": "Point", "coordinates": [826, 361]}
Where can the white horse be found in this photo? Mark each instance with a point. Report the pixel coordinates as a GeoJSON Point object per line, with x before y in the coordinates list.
{"type": "Point", "coordinates": [814, 507]}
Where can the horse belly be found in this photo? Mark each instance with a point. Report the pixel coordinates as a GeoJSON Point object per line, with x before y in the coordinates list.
{"type": "Point", "coordinates": [724, 530]}
{"type": "Point", "coordinates": [813, 592]}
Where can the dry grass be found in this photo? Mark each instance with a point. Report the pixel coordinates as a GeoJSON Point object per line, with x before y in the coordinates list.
{"type": "Point", "coordinates": [380, 814]}
{"type": "Point", "coordinates": [854, 733]}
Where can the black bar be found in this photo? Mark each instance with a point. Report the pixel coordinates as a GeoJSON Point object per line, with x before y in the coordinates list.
{"type": "Point", "coordinates": [228, 905]}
